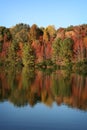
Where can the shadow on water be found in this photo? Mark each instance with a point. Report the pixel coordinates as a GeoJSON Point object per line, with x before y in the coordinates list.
{"type": "Point", "coordinates": [29, 86]}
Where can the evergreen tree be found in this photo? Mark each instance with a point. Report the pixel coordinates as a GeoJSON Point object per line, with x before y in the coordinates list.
{"type": "Point", "coordinates": [62, 50]}
{"type": "Point", "coordinates": [66, 50]}
{"type": "Point", "coordinates": [28, 55]}
{"type": "Point", "coordinates": [56, 49]}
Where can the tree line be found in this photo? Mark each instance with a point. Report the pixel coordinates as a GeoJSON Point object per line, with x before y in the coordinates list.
{"type": "Point", "coordinates": [28, 46]}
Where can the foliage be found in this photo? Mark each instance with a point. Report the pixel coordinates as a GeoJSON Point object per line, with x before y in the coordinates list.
{"type": "Point", "coordinates": [5, 34]}
{"type": "Point", "coordinates": [70, 28]}
{"type": "Point", "coordinates": [28, 55]}
{"type": "Point", "coordinates": [66, 50]}
{"type": "Point", "coordinates": [11, 59]}
{"type": "Point", "coordinates": [49, 33]}
{"type": "Point", "coordinates": [20, 32]}
{"type": "Point", "coordinates": [48, 63]}
{"type": "Point", "coordinates": [1, 46]}
{"type": "Point", "coordinates": [56, 49]}
{"type": "Point", "coordinates": [51, 30]}
{"type": "Point", "coordinates": [81, 67]}
{"type": "Point", "coordinates": [46, 36]}
{"type": "Point", "coordinates": [35, 32]}
{"type": "Point", "coordinates": [61, 47]}
{"type": "Point", "coordinates": [62, 50]}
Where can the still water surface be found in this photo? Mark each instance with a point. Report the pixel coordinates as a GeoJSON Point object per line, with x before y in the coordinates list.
{"type": "Point", "coordinates": [35, 100]}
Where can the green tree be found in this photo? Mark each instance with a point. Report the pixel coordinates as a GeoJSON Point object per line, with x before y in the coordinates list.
{"type": "Point", "coordinates": [20, 33]}
{"type": "Point", "coordinates": [66, 50]}
{"type": "Point", "coordinates": [63, 50]}
{"type": "Point", "coordinates": [28, 55]}
{"type": "Point", "coordinates": [56, 50]}
{"type": "Point", "coordinates": [22, 36]}
{"type": "Point", "coordinates": [11, 58]}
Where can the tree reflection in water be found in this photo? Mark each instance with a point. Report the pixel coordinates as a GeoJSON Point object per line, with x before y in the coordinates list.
{"type": "Point", "coordinates": [30, 87]}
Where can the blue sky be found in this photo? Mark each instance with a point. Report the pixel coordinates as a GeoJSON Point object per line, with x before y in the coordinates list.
{"type": "Point", "coordinates": [61, 13]}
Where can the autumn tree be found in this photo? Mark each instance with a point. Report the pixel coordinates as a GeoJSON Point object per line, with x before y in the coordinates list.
{"type": "Point", "coordinates": [52, 31]}
{"type": "Point", "coordinates": [46, 36]}
{"type": "Point", "coordinates": [35, 32]}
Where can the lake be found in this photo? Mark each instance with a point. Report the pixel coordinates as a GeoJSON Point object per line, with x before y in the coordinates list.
{"type": "Point", "coordinates": [42, 100]}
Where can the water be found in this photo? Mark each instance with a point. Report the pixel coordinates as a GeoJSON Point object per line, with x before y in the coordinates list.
{"type": "Point", "coordinates": [42, 100]}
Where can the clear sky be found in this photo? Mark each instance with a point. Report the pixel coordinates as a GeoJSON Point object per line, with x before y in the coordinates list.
{"type": "Point", "coordinates": [61, 13]}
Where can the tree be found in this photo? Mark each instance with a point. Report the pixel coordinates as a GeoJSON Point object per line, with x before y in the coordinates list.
{"type": "Point", "coordinates": [22, 36]}
{"type": "Point", "coordinates": [35, 32]}
{"type": "Point", "coordinates": [85, 47]}
{"type": "Point", "coordinates": [20, 33]}
{"type": "Point", "coordinates": [56, 50]}
{"type": "Point", "coordinates": [51, 30]}
{"type": "Point", "coordinates": [2, 33]}
{"type": "Point", "coordinates": [62, 50]}
{"type": "Point", "coordinates": [11, 56]}
{"type": "Point", "coordinates": [5, 34]}
{"type": "Point", "coordinates": [1, 46]}
{"type": "Point", "coordinates": [46, 36]}
{"type": "Point", "coordinates": [28, 55]}
{"type": "Point", "coordinates": [66, 50]}
{"type": "Point", "coordinates": [70, 28]}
